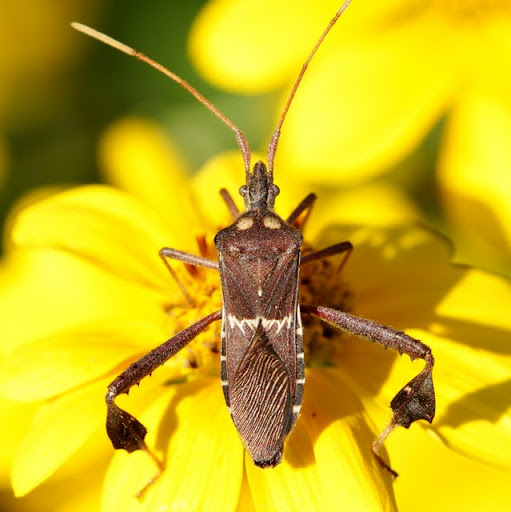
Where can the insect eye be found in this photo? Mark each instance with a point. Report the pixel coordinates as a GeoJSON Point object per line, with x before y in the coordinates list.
{"type": "Point", "coordinates": [275, 190]}
{"type": "Point", "coordinates": [243, 191]}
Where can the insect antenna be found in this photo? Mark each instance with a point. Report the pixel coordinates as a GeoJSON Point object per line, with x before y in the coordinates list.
{"type": "Point", "coordinates": [242, 141]}
{"type": "Point", "coordinates": [276, 134]}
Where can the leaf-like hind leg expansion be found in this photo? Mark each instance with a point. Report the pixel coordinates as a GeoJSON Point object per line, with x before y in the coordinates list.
{"type": "Point", "coordinates": [123, 429]}
{"type": "Point", "coordinates": [229, 202]}
{"type": "Point", "coordinates": [416, 401]}
{"type": "Point", "coordinates": [305, 206]}
{"type": "Point", "coordinates": [185, 257]}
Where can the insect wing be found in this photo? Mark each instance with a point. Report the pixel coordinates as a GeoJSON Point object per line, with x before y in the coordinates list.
{"type": "Point", "coordinates": [260, 398]}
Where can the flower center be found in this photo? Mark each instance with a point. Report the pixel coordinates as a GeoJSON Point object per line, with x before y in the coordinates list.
{"type": "Point", "coordinates": [201, 356]}
{"type": "Point", "coordinates": [320, 283]}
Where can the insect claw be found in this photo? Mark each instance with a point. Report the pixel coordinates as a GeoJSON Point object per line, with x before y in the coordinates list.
{"type": "Point", "coordinates": [378, 443]}
{"type": "Point", "coordinates": [384, 465]}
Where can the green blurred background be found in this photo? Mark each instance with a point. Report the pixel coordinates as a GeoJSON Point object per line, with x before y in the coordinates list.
{"type": "Point", "coordinates": [60, 89]}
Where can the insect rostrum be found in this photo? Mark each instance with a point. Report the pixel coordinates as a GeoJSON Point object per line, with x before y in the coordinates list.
{"type": "Point", "coordinates": [262, 357]}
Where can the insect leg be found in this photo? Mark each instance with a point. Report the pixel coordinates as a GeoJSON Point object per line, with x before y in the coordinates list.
{"type": "Point", "coordinates": [416, 400]}
{"type": "Point", "coordinates": [229, 201]}
{"type": "Point", "coordinates": [342, 247]}
{"type": "Point", "coordinates": [305, 205]}
{"type": "Point", "coordinates": [185, 257]}
{"type": "Point", "coordinates": [123, 429]}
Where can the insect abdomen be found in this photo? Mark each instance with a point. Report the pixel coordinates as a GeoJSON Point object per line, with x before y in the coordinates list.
{"type": "Point", "coordinates": [261, 401]}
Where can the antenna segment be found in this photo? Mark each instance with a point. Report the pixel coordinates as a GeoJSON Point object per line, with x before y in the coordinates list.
{"type": "Point", "coordinates": [242, 141]}
{"type": "Point", "coordinates": [276, 134]}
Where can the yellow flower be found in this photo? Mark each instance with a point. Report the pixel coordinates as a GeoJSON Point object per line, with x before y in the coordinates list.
{"type": "Point", "coordinates": [383, 79]}
{"type": "Point", "coordinates": [92, 297]}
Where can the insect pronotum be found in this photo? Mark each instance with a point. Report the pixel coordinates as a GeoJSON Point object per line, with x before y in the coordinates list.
{"type": "Point", "coordinates": [262, 360]}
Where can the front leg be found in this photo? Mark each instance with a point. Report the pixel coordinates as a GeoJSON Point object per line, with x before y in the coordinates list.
{"type": "Point", "coordinates": [185, 257]}
{"type": "Point", "coordinates": [416, 400]}
{"type": "Point", "coordinates": [229, 202]}
{"type": "Point", "coordinates": [305, 206]}
{"type": "Point", "coordinates": [123, 429]}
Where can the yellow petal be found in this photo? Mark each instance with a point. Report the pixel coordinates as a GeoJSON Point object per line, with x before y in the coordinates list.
{"type": "Point", "coordinates": [59, 429]}
{"type": "Point", "coordinates": [453, 482]}
{"type": "Point", "coordinates": [365, 105]}
{"type": "Point", "coordinates": [257, 46]}
{"type": "Point", "coordinates": [344, 436]}
{"type": "Point", "coordinates": [62, 494]}
{"type": "Point", "coordinates": [397, 274]}
{"type": "Point", "coordinates": [474, 415]}
{"type": "Point", "coordinates": [16, 420]}
{"type": "Point", "coordinates": [474, 326]}
{"type": "Point", "coordinates": [246, 503]}
{"type": "Point", "coordinates": [478, 299]}
{"type": "Point", "coordinates": [327, 459]}
{"type": "Point", "coordinates": [485, 48]}
{"type": "Point", "coordinates": [472, 388]}
{"type": "Point", "coordinates": [52, 366]}
{"type": "Point", "coordinates": [377, 204]}
{"type": "Point", "coordinates": [47, 291]}
{"type": "Point", "coordinates": [233, 43]}
{"type": "Point", "coordinates": [475, 180]}
{"type": "Point", "coordinates": [294, 484]}
{"type": "Point", "coordinates": [203, 455]}
{"type": "Point", "coordinates": [137, 156]}
{"type": "Point", "coordinates": [103, 226]}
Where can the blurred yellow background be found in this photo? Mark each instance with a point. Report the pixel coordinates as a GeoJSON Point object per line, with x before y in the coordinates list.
{"type": "Point", "coordinates": [59, 91]}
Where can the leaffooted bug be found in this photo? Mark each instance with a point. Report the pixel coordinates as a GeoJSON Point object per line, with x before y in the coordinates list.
{"type": "Point", "coordinates": [262, 359]}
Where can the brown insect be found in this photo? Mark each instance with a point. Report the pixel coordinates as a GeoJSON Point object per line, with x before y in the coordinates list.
{"type": "Point", "coordinates": [262, 359]}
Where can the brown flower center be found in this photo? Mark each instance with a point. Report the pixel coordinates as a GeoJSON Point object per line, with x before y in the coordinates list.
{"type": "Point", "coordinates": [321, 284]}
